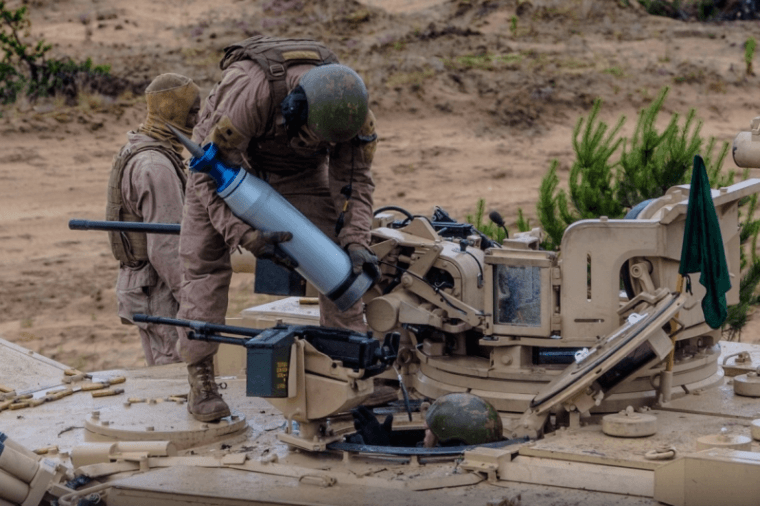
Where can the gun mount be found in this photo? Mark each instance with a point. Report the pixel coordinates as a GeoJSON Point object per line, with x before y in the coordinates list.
{"type": "Point", "coordinates": [307, 372]}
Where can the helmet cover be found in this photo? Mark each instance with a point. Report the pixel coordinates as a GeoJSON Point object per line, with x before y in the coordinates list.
{"type": "Point", "coordinates": [461, 418]}
{"type": "Point", "coordinates": [338, 102]}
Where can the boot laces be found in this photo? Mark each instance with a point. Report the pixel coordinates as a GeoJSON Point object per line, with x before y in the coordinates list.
{"type": "Point", "coordinates": [206, 376]}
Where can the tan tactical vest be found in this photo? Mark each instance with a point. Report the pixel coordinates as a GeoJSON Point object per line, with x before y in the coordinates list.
{"type": "Point", "coordinates": [131, 248]}
{"type": "Point", "coordinates": [272, 151]}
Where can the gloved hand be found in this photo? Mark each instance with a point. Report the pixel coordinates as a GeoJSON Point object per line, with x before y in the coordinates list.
{"type": "Point", "coordinates": [264, 245]}
{"type": "Point", "coordinates": [368, 429]}
{"type": "Point", "coordinates": [363, 259]}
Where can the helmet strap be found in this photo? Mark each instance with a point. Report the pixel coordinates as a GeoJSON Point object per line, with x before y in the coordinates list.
{"type": "Point", "coordinates": [345, 191]}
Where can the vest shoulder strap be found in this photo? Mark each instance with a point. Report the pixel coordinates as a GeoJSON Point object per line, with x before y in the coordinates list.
{"type": "Point", "coordinates": [275, 56]}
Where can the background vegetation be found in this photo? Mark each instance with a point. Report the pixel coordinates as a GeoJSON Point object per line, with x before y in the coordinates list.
{"type": "Point", "coordinates": [647, 164]}
{"type": "Point", "coordinates": [702, 10]}
{"type": "Point", "coordinates": [26, 68]}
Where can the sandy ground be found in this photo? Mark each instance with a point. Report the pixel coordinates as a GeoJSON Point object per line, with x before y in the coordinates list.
{"type": "Point", "coordinates": [450, 132]}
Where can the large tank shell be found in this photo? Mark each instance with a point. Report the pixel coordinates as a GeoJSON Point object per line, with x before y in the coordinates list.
{"type": "Point", "coordinates": [320, 261]}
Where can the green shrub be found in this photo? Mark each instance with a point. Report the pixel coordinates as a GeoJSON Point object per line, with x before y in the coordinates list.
{"type": "Point", "coordinates": [749, 54]}
{"type": "Point", "coordinates": [649, 164]}
{"type": "Point", "coordinates": [25, 67]}
{"type": "Point", "coordinates": [700, 9]}
{"type": "Point", "coordinates": [654, 161]}
{"type": "Point", "coordinates": [592, 185]}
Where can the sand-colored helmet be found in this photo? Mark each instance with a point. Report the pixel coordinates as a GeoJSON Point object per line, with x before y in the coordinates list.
{"type": "Point", "coordinates": [461, 418]}
{"type": "Point", "coordinates": [338, 102]}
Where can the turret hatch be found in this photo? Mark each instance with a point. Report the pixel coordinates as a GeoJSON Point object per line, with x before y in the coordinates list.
{"type": "Point", "coordinates": [637, 345]}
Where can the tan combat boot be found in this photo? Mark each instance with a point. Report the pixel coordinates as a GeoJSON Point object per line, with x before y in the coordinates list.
{"type": "Point", "coordinates": [204, 401]}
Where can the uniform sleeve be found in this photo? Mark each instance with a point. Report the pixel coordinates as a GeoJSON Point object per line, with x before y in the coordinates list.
{"type": "Point", "coordinates": [235, 111]}
{"type": "Point", "coordinates": [350, 163]}
{"type": "Point", "coordinates": [152, 190]}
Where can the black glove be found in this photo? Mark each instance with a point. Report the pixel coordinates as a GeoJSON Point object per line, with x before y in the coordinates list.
{"type": "Point", "coordinates": [363, 259]}
{"type": "Point", "coordinates": [264, 245]}
{"type": "Point", "coordinates": [368, 429]}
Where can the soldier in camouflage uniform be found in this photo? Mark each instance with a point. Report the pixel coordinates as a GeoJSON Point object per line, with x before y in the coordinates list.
{"type": "Point", "coordinates": [287, 112]}
{"type": "Point", "coordinates": [147, 184]}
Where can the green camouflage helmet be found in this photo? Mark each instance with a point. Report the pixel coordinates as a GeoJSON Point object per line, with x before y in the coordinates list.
{"type": "Point", "coordinates": [338, 102]}
{"type": "Point", "coordinates": [464, 419]}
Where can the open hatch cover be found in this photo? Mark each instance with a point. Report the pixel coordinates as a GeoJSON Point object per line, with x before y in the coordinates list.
{"type": "Point", "coordinates": [640, 343]}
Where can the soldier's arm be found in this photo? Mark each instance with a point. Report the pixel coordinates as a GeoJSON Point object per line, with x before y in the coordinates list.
{"type": "Point", "coordinates": [350, 164]}
{"type": "Point", "coordinates": [235, 111]}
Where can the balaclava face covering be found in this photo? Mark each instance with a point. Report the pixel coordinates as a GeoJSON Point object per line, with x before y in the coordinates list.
{"type": "Point", "coordinates": [170, 98]}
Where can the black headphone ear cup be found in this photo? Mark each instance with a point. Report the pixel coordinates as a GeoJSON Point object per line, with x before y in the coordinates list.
{"type": "Point", "coordinates": [295, 110]}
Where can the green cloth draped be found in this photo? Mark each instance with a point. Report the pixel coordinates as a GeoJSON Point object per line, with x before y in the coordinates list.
{"type": "Point", "coordinates": [702, 250]}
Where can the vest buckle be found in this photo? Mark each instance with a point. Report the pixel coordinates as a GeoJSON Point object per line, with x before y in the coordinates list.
{"type": "Point", "coordinates": [277, 70]}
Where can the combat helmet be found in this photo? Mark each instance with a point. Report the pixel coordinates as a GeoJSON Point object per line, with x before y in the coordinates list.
{"type": "Point", "coordinates": [461, 418]}
{"type": "Point", "coordinates": [337, 102]}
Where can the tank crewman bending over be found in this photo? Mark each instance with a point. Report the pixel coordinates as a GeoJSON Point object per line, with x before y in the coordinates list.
{"type": "Point", "coordinates": [287, 112]}
{"type": "Point", "coordinates": [147, 184]}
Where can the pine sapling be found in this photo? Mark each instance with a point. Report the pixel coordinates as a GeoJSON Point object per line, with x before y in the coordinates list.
{"type": "Point", "coordinates": [523, 223]}
{"type": "Point", "coordinates": [548, 208]}
{"type": "Point", "coordinates": [591, 175]}
{"type": "Point", "coordinates": [749, 54]}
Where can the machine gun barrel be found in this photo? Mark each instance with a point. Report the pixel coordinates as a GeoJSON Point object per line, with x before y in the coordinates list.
{"type": "Point", "coordinates": [203, 331]}
{"type": "Point", "coordinates": [354, 349]}
{"type": "Point", "coordinates": [126, 226]}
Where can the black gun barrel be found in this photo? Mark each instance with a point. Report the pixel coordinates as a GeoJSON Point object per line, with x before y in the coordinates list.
{"type": "Point", "coordinates": [126, 226]}
{"type": "Point", "coordinates": [203, 328]}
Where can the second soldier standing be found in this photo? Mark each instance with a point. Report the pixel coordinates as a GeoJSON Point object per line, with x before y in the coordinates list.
{"type": "Point", "coordinates": [147, 184]}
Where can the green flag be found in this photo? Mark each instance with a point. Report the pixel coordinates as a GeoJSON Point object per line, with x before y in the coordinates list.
{"type": "Point", "coordinates": [702, 250]}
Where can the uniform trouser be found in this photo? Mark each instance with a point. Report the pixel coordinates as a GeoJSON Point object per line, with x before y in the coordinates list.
{"type": "Point", "coordinates": [206, 269]}
{"type": "Point", "coordinates": [159, 342]}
